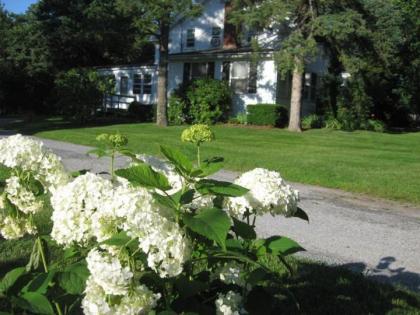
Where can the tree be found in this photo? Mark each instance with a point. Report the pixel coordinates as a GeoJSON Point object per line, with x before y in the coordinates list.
{"type": "Point", "coordinates": [294, 18]}
{"type": "Point", "coordinates": [153, 21]}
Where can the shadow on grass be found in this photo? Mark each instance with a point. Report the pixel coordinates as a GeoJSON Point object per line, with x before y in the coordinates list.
{"type": "Point", "coordinates": [38, 124]}
{"type": "Point", "coordinates": [321, 289]}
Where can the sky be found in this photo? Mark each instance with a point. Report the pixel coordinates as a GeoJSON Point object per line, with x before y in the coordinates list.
{"type": "Point", "coordinates": [17, 6]}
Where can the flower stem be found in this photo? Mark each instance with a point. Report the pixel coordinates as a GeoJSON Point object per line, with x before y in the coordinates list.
{"type": "Point", "coordinates": [57, 306]}
{"type": "Point", "coordinates": [41, 252]}
{"type": "Point", "coordinates": [198, 155]}
{"type": "Point", "coordinates": [112, 165]}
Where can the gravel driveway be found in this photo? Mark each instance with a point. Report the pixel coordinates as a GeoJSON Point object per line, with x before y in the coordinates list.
{"type": "Point", "coordinates": [378, 238]}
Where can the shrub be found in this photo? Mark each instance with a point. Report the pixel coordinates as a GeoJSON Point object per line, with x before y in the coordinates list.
{"type": "Point", "coordinates": [267, 115]}
{"type": "Point", "coordinates": [141, 112]}
{"type": "Point", "coordinates": [177, 110]}
{"type": "Point", "coordinates": [209, 101]}
{"type": "Point", "coordinates": [312, 121]}
{"type": "Point", "coordinates": [159, 236]}
{"type": "Point", "coordinates": [80, 92]}
{"type": "Point", "coordinates": [333, 123]}
{"type": "Point", "coordinates": [240, 118]}
{"type": "Point", "coordinates": [375, 125]}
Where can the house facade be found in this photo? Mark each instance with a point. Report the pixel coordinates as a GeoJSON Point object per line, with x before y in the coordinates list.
{"type": "Point", "coordinates": [207, 46]}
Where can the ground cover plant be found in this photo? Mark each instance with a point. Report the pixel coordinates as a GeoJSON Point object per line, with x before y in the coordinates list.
{"type": "Point", "coordinates": [359, 161]}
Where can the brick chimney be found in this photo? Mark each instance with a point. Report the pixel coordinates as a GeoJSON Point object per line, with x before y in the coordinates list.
{"type": "Point", "coordinates": [229, 34]}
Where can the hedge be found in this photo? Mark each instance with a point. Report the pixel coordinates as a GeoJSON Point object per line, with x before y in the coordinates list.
{"type": "Point", "coordinates": [267, 115]}
{"type": "Point", "coordinates": [142, 112]}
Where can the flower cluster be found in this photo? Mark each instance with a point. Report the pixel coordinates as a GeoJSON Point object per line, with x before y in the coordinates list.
{"type": "Point", "coordinates": [15, 227]}
{"type": "Point", "coordinates": [198, 134]}
{"type": "Point", "coordinates": [229, 304]}
{"type": "Point", "coordinates": [30, 155]}
{"type": "Point", "coordinates": [138, 301]}
{"type": "Point", "coordinates": [21, 197]}
{"type": "Point", "coordinates": [268, 193]}
{"type": "Point", "coordinates": [230, 273]}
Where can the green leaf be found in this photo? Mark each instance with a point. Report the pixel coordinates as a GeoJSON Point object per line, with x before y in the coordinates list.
{"type": "Point", "coordinates": [211, 166]}
{"type": "Point", "coordinates": [212, 223]}
{"type": "Point", "coordinates": [34, 258]}
{"type": "Point", "coordinates": [214, 187]}
{"type": "Point", "coordinates": [73, 279]}
{"type": "Point", "coordinates": [78, 173]}
{"type": "Point", "coordinates": [144, 175]}
{"type": "Point", "coordinates": [187, 197]}
{"type": "Point", "coordinates": [165, 201]}
{"type": "Point", "coordinates": [178, 159]}
{"type": "Point", "coordinates": [244, 230]}
{"type": "Point", "coordinates": [256, 276]}
{"type": "Point", "coordinates": [10, 278]}
{"type": "Point", "coordinates": [130, 154]}
{"type": "Point", "coordinates": [234, 244]}
{"type": "Point", "coordinates": [280, 245]}
{"type": "Point", "coordinates": [37, 303]}
{"type": "Point", "coordinates": [301, 214]}
{"type": "Point", "coordinates": [119, 239]}
{"type": "Point", "coordinates": [40, 283]}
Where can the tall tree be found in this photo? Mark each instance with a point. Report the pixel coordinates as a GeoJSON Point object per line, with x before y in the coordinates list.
{"type": "Point", "coordinates": [153, 21]}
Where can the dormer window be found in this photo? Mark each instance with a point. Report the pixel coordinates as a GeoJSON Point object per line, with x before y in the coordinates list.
{"type": "Point", "coordinates": [191, 38]}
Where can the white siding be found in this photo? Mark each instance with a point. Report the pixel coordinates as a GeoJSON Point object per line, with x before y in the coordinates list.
{"type": "Point", "coordinates": [266, 88]}
{"type": "Point", "coordinates": [212, 16]}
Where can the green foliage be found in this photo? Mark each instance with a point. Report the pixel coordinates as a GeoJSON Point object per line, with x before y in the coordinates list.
{"type": "Point", "coordinates": [312, 121]}
{"type": "Point", "coordinates": [141, 112]}
{"type": "Point", "coordinates": [177, 110]}
{"type": "Point", "coordinates": [333, 123]}
{"type": "Point", "coordinates": [80, 92]}
{"type": "Point", "coordinates": [267, 115]}
{"type": "Point", "coordinates": [375, 125]}
{"type": "Point", "coordinates": [209, 101]}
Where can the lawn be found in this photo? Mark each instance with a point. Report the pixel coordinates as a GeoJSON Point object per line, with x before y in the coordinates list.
{"type": "Point", "coordinates": [378, 164]}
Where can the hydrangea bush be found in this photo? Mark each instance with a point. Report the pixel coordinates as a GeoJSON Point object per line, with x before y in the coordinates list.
{"type": "Point", "coordinates": [158, 237]}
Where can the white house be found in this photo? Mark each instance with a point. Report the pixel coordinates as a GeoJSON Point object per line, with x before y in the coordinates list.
{"type": "Point", "coordinates": [207, 46]}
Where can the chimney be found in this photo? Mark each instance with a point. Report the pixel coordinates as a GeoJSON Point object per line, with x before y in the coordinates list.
{"type": "Point", "coordinates": [229, 33]}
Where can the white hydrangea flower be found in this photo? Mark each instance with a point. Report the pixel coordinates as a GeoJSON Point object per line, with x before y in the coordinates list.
{"type": "Point", "coordinates": [267, 193]}
{"type": "Point", "coordinates": [229, 304]}
{"type": "Point", "coordinates": [138, 301]}
{"type": "Point", "coordinates": [21, 197]}
{"type": "Point", "coordinates": [13, 228]}
{"type": "Point", "coordinates": [30, 155]}
{"type": "Point", "coordinates": [167, 169]}
{"type": "Point", "coordinates": [74, 207]}
{"type": "Point", "coordinates": [107, 271]}
{"type": "Point", "coordinates": [230, 273]}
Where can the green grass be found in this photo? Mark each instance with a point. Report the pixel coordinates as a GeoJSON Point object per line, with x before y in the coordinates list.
{"type": "Point", "coordinates": [379, 164]}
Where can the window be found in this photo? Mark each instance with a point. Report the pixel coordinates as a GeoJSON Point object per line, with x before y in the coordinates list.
{"type": "Point", "coordinates": [124, 85]}
{"type": "Point", "coordinates": [137, 84]}
{"type": "Point", "coordinates": [244, 77]}
{"type": "Point", "coordinates": [252, 82]}
{"type": "Point", "coordinates": [309, 87]}
{"type": "Point", "coordinates": [198, 70]}
{"type": "Point", "coordinates": [190, 38]}
{"type": "Point", "coordinates": [215, 36]}
{"type": "Point", "coordinates": [226, 71]}
{"type": "Point", "coordinates": [147, 84]}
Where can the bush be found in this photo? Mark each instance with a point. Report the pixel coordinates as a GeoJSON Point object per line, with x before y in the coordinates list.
{"type": "Point", "coordinates": [240, 119]}
{"type": "Point", "coordinates": [375, 125]}
{"type": "Point", "coordinates": [177, 110]}
{"type": "Point", "coordinates": [80, 92]}
{"type": "Point", "coordinates": [209, 101]}
{"type": "Point", "coordinates": [129, 249]}
{"type": "Point", "coordinates": [141, 112]}
{"type": "Point", "coordinates": [267, 115]}
{"type": "Point", "coordinates": [312, 121]}
{"type": "Point", "coordinates": [333, 123]}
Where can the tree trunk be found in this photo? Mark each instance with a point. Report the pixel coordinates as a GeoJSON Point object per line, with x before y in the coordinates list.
{"type": "Point", "coordinates": [162, 94]}
{"type": "Point", "coordinates": [296, 99]}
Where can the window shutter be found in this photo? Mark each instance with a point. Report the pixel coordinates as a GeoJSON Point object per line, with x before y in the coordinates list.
{"type": "Point", "coordinates": [226, 71]}
{"type": "Point", "coordinates": [210, 70]}
{"type": "Point", "coordinates": [187, 71]}
{"type": "Point", "coordinates": [252, 81]}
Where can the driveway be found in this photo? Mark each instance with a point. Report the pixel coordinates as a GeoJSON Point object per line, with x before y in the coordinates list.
{"type": "Point", "coordinates": [378, 238]}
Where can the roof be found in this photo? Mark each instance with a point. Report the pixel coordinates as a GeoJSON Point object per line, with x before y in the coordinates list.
{"type": "Point", "coordinates": [221, 54]}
